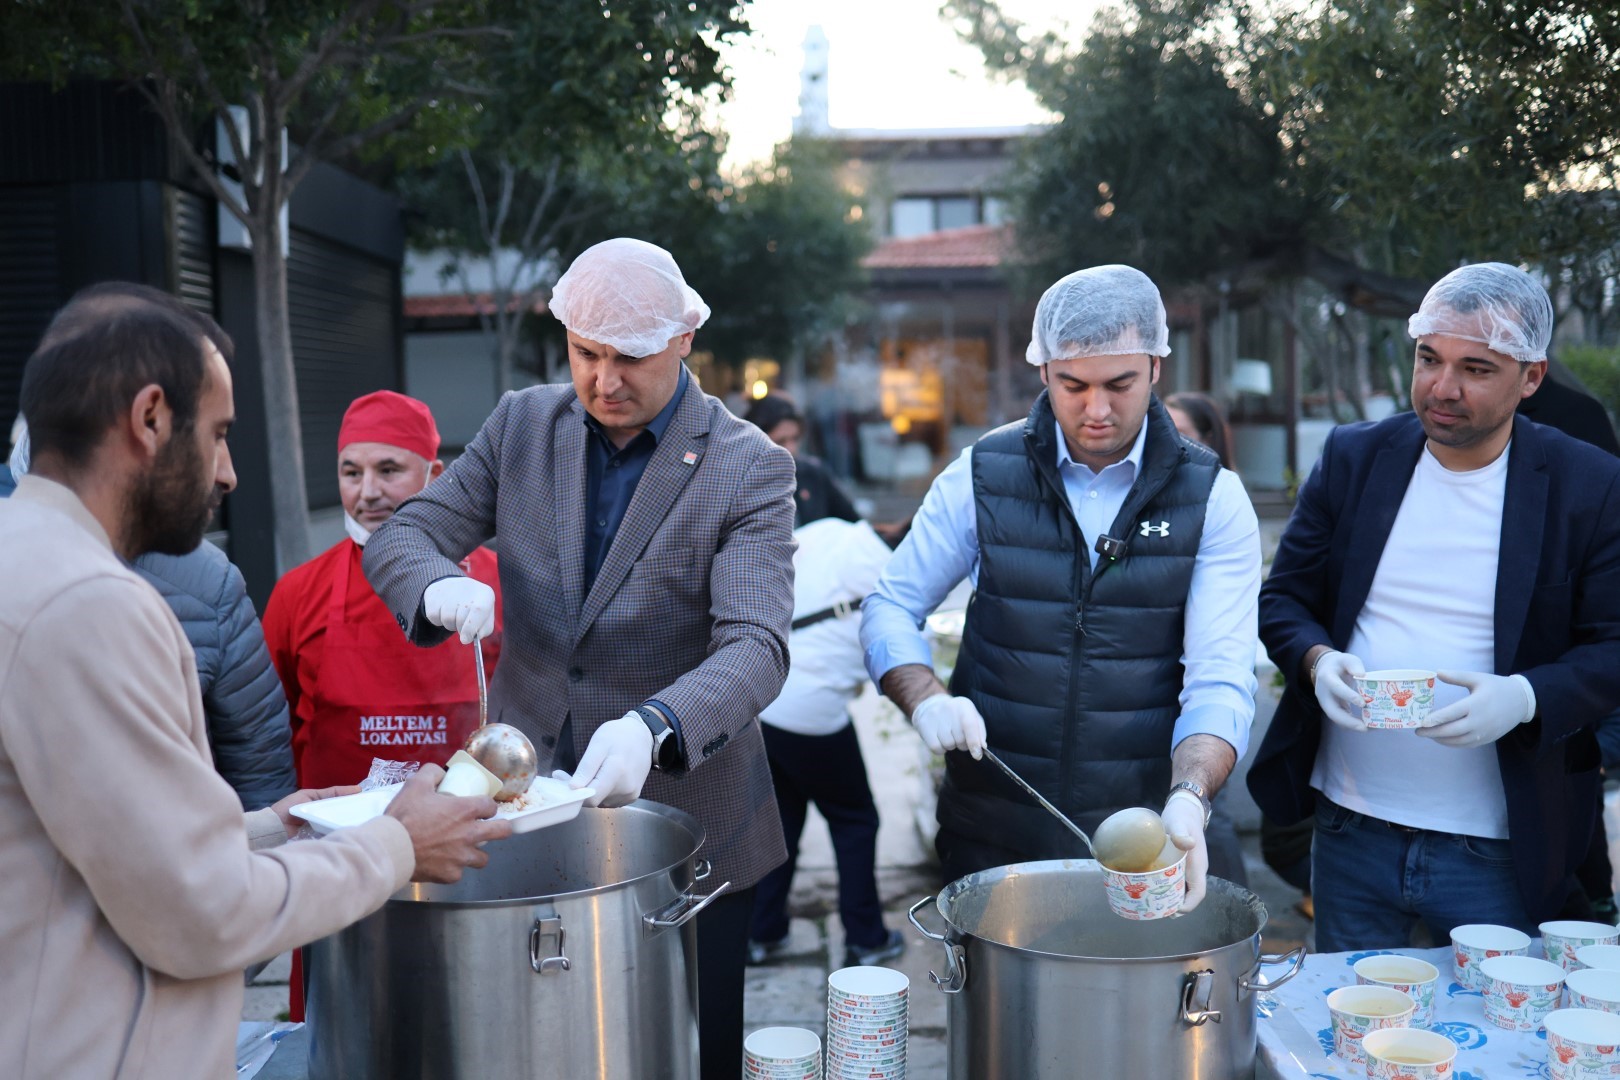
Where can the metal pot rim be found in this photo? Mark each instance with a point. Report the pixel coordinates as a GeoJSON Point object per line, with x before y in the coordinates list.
{"type": "Point", "coordinates": [961, 936]}
{"type": "Point", "coordinates": [670, 813]}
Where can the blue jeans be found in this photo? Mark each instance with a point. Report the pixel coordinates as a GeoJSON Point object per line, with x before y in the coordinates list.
{"type": "Point", "coordinates": [1373, 881]}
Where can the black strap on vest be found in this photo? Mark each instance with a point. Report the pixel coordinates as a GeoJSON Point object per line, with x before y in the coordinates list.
{"type": "Point", "coordinates": [837, 611]}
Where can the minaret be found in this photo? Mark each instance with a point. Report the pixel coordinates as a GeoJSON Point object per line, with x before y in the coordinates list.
{"type": "Point", "coordinates": [812, 118]}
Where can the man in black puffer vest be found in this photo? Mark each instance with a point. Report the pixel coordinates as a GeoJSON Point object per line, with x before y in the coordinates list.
{"type": "Point", "coordinates": [1108, 655]}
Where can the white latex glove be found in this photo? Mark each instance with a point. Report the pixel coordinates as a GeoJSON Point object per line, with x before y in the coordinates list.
{"type": "Point", "coordinates": [1338, 696]}
{"type": "Point", "coordinates": [950, 723]}
{"type": "Point", "coordinates": [461, 605]}
{"type": "Point", "coordinates": [616, 762]}
{"type": "Point", "coordinates": [1494, 706]}
{"type": "Point", "coordinates": [1184, 825]}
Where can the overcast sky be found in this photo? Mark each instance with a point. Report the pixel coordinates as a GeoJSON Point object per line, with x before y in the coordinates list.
{"type": "Point", "coordinates": [891, 64]}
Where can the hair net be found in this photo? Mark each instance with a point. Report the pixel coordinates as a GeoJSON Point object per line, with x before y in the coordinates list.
{"type": "Point", "coordinates": [1497, 305]}
{"type": "Point", "coordinates": [628, 294]}
{"type": "Point", "coordinates": [1102, 311]}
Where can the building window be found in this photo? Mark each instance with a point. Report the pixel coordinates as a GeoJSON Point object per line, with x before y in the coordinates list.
{"type": "Point", "coordinates": [917, 215]}
{"type": "Point", "coordinates": [956, 212]}
{"type": "Point", "coordinates": [911, 217]}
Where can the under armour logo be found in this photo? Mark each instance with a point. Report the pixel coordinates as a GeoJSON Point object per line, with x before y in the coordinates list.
{"type": "Point", "coordinates": [1150, 529]}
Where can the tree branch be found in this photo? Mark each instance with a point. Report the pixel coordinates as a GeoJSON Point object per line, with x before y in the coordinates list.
{"type": "Point", "coordinates": [341, 148]}
{"type": "Point", "coordinates": [321, 55]}
{"type": "Point", "coordinates": [167, 111]}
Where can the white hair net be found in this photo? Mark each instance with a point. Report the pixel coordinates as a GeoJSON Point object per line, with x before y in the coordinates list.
{"type": "Point", "coordinates": [628, 294]}
{"type": "Point", "coordinates": [1497, 305]}
{"type": "Point", "coordinates": [1101, 311]}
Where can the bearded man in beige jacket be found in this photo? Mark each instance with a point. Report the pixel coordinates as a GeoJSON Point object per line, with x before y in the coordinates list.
{"type": "Point", "coordinates": [133, 890]}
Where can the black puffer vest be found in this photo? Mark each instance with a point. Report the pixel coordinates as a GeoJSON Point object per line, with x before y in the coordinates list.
{"type": "Point", "coordinates": [1077, 673]}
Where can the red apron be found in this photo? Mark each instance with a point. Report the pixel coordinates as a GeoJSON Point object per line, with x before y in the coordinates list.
{"type": "Point", "coordinates": [379, 696]}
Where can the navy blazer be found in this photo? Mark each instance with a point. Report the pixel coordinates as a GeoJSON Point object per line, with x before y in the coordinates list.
{"type": "Point", "coordinates": [1557, 624]}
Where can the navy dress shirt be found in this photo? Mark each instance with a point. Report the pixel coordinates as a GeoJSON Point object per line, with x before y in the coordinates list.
{"type": "Point", "coordinates": [611, 476]}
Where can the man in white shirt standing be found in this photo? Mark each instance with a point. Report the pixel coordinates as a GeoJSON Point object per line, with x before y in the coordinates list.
{"type": "Point", "coordinates": [1460, 540]}
{"type": "Point", "coordinates": [811, 743]}
{"type": "Point", "coordinates": [1108, 653]}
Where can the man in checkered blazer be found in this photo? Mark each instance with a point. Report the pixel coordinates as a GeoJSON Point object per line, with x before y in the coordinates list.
{"type": "Point", "coordinates": [646, 542]}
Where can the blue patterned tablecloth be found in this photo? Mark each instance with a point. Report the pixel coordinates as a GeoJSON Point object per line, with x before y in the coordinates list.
{"type": "Point", "coordinates": [1296, 1039]}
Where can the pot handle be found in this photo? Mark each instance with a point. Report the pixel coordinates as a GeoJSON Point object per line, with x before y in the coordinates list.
{"type": "Point", "coordinates": [1294, 958]}
{"type": "Point", "coordinates": [679, 911]}
{"type": "Point", "coordinates": [955, 958]}
{"type": "Point", "coordinates": [546, 926]}
{"type": "Point", "coordinates": [1195, 994]}
{"type": "Point", "coordinates": [701, 870]}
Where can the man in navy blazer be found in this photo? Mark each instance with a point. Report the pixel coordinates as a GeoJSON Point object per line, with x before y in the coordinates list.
{"type": "Point", "coordinates": [1457, 539]}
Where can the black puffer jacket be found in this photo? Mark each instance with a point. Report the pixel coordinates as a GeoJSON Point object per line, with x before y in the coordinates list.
{"type": "Point", "coordinates": [242, 697]}
{"type": "Point", "coordinates": [1076, 672]}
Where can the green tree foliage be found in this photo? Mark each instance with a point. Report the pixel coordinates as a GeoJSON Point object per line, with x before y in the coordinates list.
{"type": "Point", "coordinates": [1160, 160]}
{"type": "Point", "coordinates": [1377, 144]}
{"type": "Point", "coordinates": [587, 101]}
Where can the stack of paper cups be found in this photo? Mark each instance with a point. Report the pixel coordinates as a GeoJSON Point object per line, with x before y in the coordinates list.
{"type": "Point", "coordinates": [782, 1053]}
{"type": "Point", "coordinates": [866, 1024]}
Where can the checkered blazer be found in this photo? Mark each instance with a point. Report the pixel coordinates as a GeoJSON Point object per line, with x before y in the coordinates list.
{"type": "Point", "coordinates": [691, 606]}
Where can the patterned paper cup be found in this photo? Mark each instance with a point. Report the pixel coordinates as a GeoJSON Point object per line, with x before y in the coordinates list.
{"type": "Point", "coordinates": [1358, 1010]}
{"type": "Point", "coordinates": [1520, 991]}
{"type": "Point", "coordinates": [1582, 1044]}
{"type": "Point", "coordinates": [1476, 942]}
{"type": "Point", "coordinates": [1152, 894]}
{"type": "Point", "coordinates": [1560, 940]}
{"type": "Point", "coordinates": [782, 1052]}
{"type": "Point", "coordinates": [1592, 988]}
{"type": "Point", "coordinates": [1395, 698]}
{"type": "Point", "coordinates": [1602, 957]}
{"type": "Point", "coordinates": [1408, 1054]}
{"type": "Point", "coordinates": [1413, 977]}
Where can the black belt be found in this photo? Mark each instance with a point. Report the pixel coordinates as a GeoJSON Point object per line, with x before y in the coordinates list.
{"type": "Point", "coordinates": [837, 611]}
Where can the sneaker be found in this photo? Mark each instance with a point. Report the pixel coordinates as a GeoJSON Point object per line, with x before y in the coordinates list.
{"type": "Point", "coordinates": [763, 952]}
{"type": "Point", "coordinates": [892, 947]}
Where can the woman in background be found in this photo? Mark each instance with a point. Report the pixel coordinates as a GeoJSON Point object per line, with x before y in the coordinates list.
{"type": "Point", "coordinates": [1198, 418]}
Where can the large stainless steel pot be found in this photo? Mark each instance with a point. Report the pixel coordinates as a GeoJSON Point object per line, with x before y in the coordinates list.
{"type": "Point", "coordinates": [572, 954]}
{"type": "Point", "coordinates": [1045, 983]}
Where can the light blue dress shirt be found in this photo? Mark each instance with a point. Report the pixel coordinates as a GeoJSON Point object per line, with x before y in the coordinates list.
{"type": "Point", "coordinates": [1221, 637]}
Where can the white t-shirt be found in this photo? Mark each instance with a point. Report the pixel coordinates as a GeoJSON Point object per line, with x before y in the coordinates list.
{"type": "Point", "coordinates": [1432, 605]}
{"type": "Point", "coordinates": [836, 561]}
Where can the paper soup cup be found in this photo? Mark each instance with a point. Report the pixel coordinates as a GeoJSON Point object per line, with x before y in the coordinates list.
{"type": "Point", "coordinates": [1592, 988]}
{"type": "Point", "coordinates": [1477, 942]}
{"type": "Point", "coordinates": [1413, 977]}
{"type": "Point", "coordinates": [1602, 957]}
{"type": "Point", "coordinates": [781, 1051]}
{"type": "Point", "coordinates": [1152, 894]}
{"type": "Point", "coordinates": [1395, 697]}
{"type": "Point", "coordinates": [1408, 1054]}
{"type": "Point", "coordinates": [1560, 940]}
{"type": "Point", "coordinates": [1358, 1010]}
{"type": "Point", "coordinates": [1520, 991]}
{"type": "Point", "coordinates": [1582, 1043]}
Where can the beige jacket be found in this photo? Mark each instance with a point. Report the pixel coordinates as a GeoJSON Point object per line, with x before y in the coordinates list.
{"type": "Point", "coordinates": [130, 894]}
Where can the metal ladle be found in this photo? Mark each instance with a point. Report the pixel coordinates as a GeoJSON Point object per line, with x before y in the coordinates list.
{"type": "Point", "coordinates": [1125, 854]}
{"type": "Point", "coordinates": [500, 748]}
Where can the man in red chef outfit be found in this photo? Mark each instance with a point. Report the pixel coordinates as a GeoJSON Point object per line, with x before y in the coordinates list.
{"type": "Point", "coordinates": [356, 687]}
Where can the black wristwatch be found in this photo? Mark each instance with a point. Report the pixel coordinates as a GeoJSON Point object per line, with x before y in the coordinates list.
{"type": "Point", "coordinates": [666, 751]}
